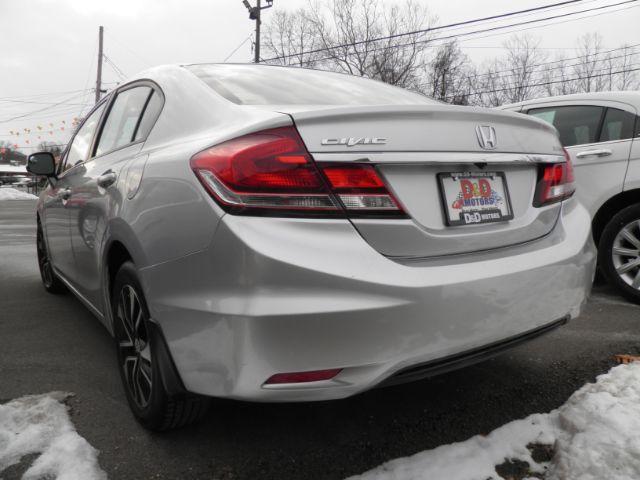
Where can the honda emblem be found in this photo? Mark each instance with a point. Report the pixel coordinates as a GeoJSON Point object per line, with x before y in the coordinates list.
{"type": "Point", "coordinates": [487, 137]}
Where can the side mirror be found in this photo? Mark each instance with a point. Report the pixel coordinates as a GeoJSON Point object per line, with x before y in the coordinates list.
{"type": "Point", "coordinates": [42, 163]}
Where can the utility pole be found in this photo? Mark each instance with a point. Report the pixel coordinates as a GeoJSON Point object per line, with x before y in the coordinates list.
{"type": "Point", "coordinates": [99, 75]}
{"type": "Point", "coordinates": [256, 58]}
{"type": "Point", "coordinates": [254, 14]}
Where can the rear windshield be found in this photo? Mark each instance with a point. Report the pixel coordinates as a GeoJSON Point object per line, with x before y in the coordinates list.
{"type": "Point", "coordinates": [270, 85]}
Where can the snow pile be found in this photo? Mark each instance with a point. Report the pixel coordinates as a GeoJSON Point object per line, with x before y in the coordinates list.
{"type": "Point", "coordinates": [15, 194]}
{"type": "Point", "coordinates": [594, 436]}
{"type": "Point", "coordinates": [41, 424]}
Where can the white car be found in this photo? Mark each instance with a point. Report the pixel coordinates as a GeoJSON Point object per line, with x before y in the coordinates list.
{"type": "Point", "coordinates": [601, 131]}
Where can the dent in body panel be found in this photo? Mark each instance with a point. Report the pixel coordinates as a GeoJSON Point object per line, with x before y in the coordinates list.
{"type": "Point", "coordinates": [266, 297]}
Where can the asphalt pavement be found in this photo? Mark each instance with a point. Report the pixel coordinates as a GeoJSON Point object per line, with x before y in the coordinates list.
{"type": "Point", "coordinates": [50, 342]}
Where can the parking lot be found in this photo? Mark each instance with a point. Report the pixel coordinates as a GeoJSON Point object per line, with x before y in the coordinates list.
{"type": "Point", "coordinates": [53, 343]}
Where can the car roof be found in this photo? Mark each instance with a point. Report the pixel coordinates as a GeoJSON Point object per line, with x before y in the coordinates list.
{"type": "Point", "coordinates": [631, 97]}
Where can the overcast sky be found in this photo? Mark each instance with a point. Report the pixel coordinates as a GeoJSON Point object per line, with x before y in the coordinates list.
{"type": "Point", "coordinates": [50, 46]}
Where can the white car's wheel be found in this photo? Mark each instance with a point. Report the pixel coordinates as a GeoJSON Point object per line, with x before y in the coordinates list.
{"type": "Point", "coordinates": [619, 252]}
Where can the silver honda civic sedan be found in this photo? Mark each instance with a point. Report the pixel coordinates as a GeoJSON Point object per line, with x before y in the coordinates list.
{"type": "Point", "coordinates": [281, 234]}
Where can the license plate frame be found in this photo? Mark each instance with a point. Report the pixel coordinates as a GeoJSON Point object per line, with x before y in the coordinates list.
{"type": "Point", "coordinates": [476, 214]}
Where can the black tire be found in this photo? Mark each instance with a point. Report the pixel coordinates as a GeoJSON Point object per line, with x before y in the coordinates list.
{"type": "Point", "coordinates": [138, 361]}
{"type": "Point", "coordinates": [50, 280]}
{"type": "Point", "coordinates": [612, 263]}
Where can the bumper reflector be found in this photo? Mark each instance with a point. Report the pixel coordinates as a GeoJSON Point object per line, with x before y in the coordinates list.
{"type": "Point", "coordinates": [302, 377]}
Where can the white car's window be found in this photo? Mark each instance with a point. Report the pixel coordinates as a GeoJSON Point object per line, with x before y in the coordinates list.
{"type": "Point", "coordinates": [79, 149]}
{"type": "Point", "coordinates": [270, 85]}
{"type": "Point", "coordinates": [122, 120]}
{"type": "Point", "coordinates": [618, 125]}
{"type": "Point", "coordinates": [577, 125]}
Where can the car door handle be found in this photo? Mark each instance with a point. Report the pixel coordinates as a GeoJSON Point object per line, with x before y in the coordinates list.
{"type": "Point", "coordinates": [107, 179]}
{"type": "Point", "coordinates": [599, 152]}
{"type": "Point", "coordinates": [64, 194]}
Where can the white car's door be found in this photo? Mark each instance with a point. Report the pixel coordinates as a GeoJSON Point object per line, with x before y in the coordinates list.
{"type": "Point", "coordinates": [599, 138]}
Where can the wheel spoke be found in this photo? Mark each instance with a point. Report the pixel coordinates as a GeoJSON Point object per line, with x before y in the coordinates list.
{"type": "Point", "coordinates": [144, 377]}
{"type": "Point", "coordinates": [125, 325]}
{"type": "Point", "coordinates": [135, 381]}
{"type": "Point", "coordinates": [630, 237]}
{"type": "Point", "coordinates": [131, 305]}
{"type": "Point", "coordinates": [626, 252]}
{"type": "Point", "coordinates": [138, 322]}
{"type": "Point", "coordinates": [133, 342]}
{"type": "Point", "coordinates": [145, 353]}
{"type": "Point", "coordinates": [626, 267]}
{"type": "Point", "coordinates": [127, 366]}
{"type": "Point", "coordinates": [636, 280]}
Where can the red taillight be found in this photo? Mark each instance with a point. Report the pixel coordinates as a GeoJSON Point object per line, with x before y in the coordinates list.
{"type": "Point", "coordinates": [555, 182]}
{"type": "Point", "coordinates": [272, 170]}
{"type": "Point", "coordinates": [302, 377]}
{"type": "Point", "coordinates": [360, 188]}
{"type": "Point", "coordinates": [265, 170]}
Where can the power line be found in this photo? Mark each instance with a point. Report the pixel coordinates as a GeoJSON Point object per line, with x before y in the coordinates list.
{"type": "Point", "coordinates": [561, 22]}
{"type": "Point", "coordinates": [139, 57]}
{"type": "Point", "coordinates": [602, 52]}
{"type": "Point", "coordinates": [543, 84]}
{"type": "Point", "coordinates": [36, 103]}
{"type": "Point", "coordinates": [448, 37]}
{"type": "Point", "coordinates": [37, 95]}
{"type": "Point", "coordinates": [65, 101]}
{"type": "Point", "coordinates": [120, 73]}
{"type": "Point", "coordinates": [426, 30]}
{"type": "Point", "coordinates": [238, 47]}
{"type": "Point", "coordinates": [586, 62]}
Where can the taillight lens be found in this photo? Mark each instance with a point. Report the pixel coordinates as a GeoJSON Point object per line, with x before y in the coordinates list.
{"type": "Point", "coordinates": [271, 171]}
{"type": "Point", "coordinates": [360, 189]}
{"type": "Point", "coordinates": [265, 170]}
{"type": "Point", "coordinates": [555, 182]}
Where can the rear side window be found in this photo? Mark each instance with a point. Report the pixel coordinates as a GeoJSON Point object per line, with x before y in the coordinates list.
{"type": "Point", "coordinates": [577, 125]}
{"type": "Point", "coordinates": [151, 112]}
{"type": "Point", "coordinates": [271, 85]}
{"type": "Point", "coordinates": [618, 125]}
{"type": "Point", "coordinates": [123, 119]}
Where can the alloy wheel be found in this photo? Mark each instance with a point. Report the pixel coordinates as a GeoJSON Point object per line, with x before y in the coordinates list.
{"type": "Point", "coordinates": [46, 271]}
{"type": "Point", "coordinates": [133, 345]}
{"type": "Point", "coordinates": [626, 254]}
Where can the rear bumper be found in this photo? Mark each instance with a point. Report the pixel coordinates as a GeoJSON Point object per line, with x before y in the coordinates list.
{"type": "Point", "coordinates": [285, 295]}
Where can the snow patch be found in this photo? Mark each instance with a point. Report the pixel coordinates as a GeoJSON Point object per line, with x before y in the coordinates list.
{"type": "Point", "coordinates": [7, 193]}
{"type": "Point", "coordinates": [595, 436]}
{"type": "Point", "coordinates": [41, 424]}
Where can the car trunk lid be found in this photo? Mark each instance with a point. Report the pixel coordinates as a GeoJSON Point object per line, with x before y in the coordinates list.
{"type": "Point", "coordinates": [426, 154]}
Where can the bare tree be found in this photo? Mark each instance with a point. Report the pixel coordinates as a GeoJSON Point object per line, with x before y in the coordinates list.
{"type": "Point", "coordinates": [625, 79]}
{"type": "Point", "coordinates": [53, 148]}
{"type": "Point", "coordinates": [447, 75]}
{"type": "Point", "coordinates": [513, 77]}
{"type": "Point", "coordinates": [288, 38]}
{"type": "Point", "coordinates": [588, 69]}
{"type": "Point", "coordinates": [558, 77]}
{"type": "Point", "coordinates": [359, 37]}
{"type": "Point", "coordinates": [520, 77]}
